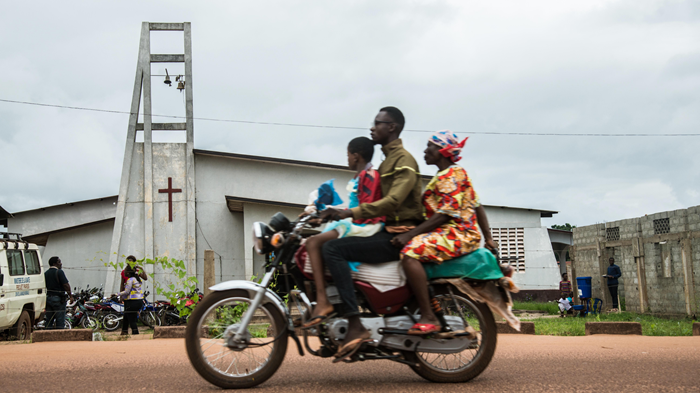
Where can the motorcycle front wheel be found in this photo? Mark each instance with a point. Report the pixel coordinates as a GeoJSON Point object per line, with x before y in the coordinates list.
{"type": "Point", "coordinates": [89, 322]}
{"type": "Point", "coordinates": [468, 364]}
{"type": "Point", "coordinates": [229, 365]}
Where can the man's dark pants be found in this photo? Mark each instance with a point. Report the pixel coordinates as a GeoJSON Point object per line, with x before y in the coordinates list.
{"type": "Point", "coordinates": [613, 293]}
{"type": "Point", "coordinates": [55, 312]}
{"type": "Point", "coordinates": [337, 253]}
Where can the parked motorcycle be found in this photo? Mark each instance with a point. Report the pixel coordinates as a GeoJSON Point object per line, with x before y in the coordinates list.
{"type": "Point", "coordinates": [237, 336]}
{"type": "Point", "coordinates": [148, 315]}
{"type": "Point", "coordinates": [78, 314]}
{"type": "Point", "coordinates": [170, 315]}
{"type": "Point", "coordinates": [113, 315]}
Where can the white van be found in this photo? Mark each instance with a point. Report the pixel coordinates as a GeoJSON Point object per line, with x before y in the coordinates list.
{"type": "Point", "coordinates": [22, 286]}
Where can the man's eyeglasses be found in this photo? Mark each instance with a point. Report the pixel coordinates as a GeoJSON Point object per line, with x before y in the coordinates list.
{"type": "Point", "coordinates": [378, 122]}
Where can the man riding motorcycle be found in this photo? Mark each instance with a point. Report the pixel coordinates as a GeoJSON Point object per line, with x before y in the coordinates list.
{"type": "Point", "coordinates": [401, 204]}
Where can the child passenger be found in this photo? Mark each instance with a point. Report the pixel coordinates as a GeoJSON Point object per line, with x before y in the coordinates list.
{"type": "Point", "coordinates": [365, 187]}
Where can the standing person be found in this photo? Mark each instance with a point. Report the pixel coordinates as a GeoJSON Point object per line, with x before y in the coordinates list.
{"type": "Point", "coordinates": [133, 300]}
{"type": "Point", "coordinates": [566, 292]}
{"type": "Point", "coordinates": [613, 274]}
{"type": "Point", "coordinates": [57, 292]}
{"type": "Point", "coordinates": [565, 288]}
{"type": "Point", "coordinates": [400, 204]}
{"type": "Point", "coordinates": [363, 188]}
{"type": "Point", "coordinates": [451, 208]}
{"type": "Point", "coordinates": [131, 261]}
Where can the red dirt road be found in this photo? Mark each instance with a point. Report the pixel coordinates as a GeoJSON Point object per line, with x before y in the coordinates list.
{"type": "Point", "coordinates": [521, 363]}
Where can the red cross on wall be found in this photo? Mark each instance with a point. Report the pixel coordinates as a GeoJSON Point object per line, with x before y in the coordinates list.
{"type": "Point", "coordinates": [170, 191]}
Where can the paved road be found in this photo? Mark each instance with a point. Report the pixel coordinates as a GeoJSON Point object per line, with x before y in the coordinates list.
{"type": "Point", "coordinates": [521, 363]}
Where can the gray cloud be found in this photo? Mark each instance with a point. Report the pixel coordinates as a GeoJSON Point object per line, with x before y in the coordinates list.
{"type": "Point", "coordinates": [547, 66]}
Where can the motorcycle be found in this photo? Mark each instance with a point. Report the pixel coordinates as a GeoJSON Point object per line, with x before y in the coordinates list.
{"type": "Point", "coordinates": [169, 314]}
{"type": "Point", "coordinates": [237, 336]}
{"type": "Point", "coordinates": [79, 315]}
{"type": "Point", "coordinates": [148, 314]}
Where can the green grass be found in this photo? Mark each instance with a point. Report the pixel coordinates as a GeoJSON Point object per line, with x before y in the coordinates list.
{"type": "Point", "coordinates": [551, 307]}
{"type": "Point", "coordinates": [651, 326]}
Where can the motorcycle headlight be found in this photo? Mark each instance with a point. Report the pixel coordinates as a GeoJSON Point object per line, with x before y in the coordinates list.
{"type": "Point", "coordinates": [261, 238]}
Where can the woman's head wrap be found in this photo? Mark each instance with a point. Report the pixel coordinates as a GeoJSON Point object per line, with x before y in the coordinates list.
{"type": "Point", "coordinates": [451, 146]}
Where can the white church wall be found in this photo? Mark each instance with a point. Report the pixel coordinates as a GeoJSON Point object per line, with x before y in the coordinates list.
{"type": "Point", "coordinates": [504, 217]}
{"type": "Point", "coordinates": [54, 218]}
{"type": "Point", "coordinates": [260, 212]}
{"type": "Point", "coordinates": [218, 177]}
{"type": "Point", "coordinates": [132, 236]}
{"type": "Point", "coordinates": [169, 238]}
{"type": "Point", "coordinates": [541, 269]}
{"type": "Point", "coordinates": [83, 251]}
{"type": "Point", "coordinates": [220, 230]}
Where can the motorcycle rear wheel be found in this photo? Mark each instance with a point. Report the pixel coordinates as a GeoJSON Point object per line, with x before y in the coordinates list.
{"type": "Point", "coordinates": [111, 322]}
{"type": "Point", "coordinates": [247, 366]}
{"type": "Point", "coordinates": [468, 364]}
{"type": "Point", "coordinates": [149, 318]}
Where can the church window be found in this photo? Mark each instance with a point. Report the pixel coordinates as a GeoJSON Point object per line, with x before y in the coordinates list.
{"type": "Point", "coordinates": [511, 246]}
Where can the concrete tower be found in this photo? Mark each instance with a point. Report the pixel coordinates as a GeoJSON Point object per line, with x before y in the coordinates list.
{"type": "Point", "coordinates": [156, 207]}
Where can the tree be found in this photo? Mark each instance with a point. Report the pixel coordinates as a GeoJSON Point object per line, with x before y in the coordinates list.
{"type": "Point", "coordinates": [565, 227]}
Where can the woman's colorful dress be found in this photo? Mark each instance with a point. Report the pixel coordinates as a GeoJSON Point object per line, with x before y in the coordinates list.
{"type": "Point", "coordinates": [450, 193]}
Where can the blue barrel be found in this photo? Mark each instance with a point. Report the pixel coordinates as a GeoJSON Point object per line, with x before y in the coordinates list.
{"type": "Point", "coordinates": [584, 287]}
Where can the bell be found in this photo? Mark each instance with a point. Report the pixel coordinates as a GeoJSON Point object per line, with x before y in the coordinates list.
{"type": "Point", "coordinates": [181, 83]}
{"type": "Point", "coordinates": [167, 78]}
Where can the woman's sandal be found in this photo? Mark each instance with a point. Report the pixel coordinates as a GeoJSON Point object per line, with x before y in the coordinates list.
{"type": "Point", "coordinates": [422, 329]}
{"type": "Point", "coordinates": [317, 320]}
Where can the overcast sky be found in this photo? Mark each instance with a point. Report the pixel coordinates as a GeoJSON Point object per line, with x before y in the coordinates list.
{"type": "Point", "coordinates": [558, 66]}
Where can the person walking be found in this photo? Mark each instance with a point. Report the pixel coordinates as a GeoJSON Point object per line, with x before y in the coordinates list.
{"type": "Point", "coordinates": [613, 274]}
{"type": "Point", "coordinates": [133, 300]}
{"type": "Point", "coordinates": [57, 292]}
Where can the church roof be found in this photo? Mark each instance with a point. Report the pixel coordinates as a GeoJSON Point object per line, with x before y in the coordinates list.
{"type": "Point", "coordinates": [231, 200]}
{"type": "Point", "coordinates": [270, 159]}
{"type": "Point", "coordinates": [4, 215]}
{"type": "Point", "coordinates": [543, 213]}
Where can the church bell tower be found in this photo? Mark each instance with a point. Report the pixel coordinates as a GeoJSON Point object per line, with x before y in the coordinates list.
{"type": "Point", "coordinates": [155, 214]}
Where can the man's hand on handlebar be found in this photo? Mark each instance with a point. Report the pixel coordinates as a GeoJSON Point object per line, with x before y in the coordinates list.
{"type": "Point", "coordinates": [331, 214]}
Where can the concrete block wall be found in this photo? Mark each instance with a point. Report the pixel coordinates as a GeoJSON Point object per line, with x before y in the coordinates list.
{"type": "Point", "coordinates": [588, 234]}
{"type": "Point", "coordinates": [665, 294]}
{"type": "Point", "coordinates": [587, 266]}
{"type": "Point", "coordinates": [629, 285]}
{"type": "Point", "coordinates": [693, 218]}
{"type": "Point", "coordinates": [629, 228]}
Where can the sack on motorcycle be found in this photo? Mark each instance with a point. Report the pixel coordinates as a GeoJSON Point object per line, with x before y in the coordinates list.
{"type": "Point", "coordinates": [478, 265]}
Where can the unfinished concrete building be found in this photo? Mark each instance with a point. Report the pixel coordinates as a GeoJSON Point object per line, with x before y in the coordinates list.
{"type": "Point", "coordinates": [658, 254]}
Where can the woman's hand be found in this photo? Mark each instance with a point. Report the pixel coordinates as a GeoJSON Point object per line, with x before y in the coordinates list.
{"type": "Point", "coordinates": [401, 240]}
{"type": "Point", "coordinates": [491, 246]}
